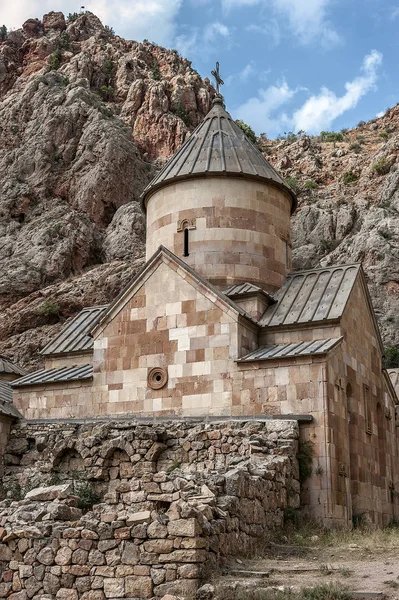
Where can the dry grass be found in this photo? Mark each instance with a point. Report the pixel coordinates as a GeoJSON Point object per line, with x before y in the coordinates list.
{"type": "Point", "coordinates": [325, 591]}
{"type": "Point", "coordinates": [311, 534]}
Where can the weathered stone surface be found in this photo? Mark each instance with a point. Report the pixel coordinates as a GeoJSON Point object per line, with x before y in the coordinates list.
{"type": "Point", "coordinates": [46, 556]}
{"type": "Point", "coordinates": [139, 587]}
{"type": "Point", "coordinates": [49, 493]}
{"type": "Point", "coordinates": [63, 556]}
{"type": "Point", "coordinates": [130, 554]}
{"type": "Point", "coordinates": [157, 530]}
{"type": "Point", "coordinates": [184, 527]}
{"type": "Point", "coordinates": [114, 588]}
{"type": "Point", "coordinates": [67, 594]}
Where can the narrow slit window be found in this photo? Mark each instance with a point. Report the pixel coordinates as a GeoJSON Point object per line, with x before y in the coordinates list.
{"type": "Point", "coordinates": [186, 252]}
{"type": "Point", "coordinates": [367, 408]}
{"type": "Point", "coordinates": [287, 255]}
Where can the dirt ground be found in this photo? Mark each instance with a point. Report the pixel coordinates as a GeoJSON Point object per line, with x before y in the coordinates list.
{"type": "Point", "coordinates": [359, 561]}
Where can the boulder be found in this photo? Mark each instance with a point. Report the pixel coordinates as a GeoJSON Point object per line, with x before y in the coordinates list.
{"type": "Point", "coordinates": [52, 492]}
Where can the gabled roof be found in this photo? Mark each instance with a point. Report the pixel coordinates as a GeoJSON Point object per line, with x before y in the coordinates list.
{"type": "Point", "coordinates": [74, 337]}
{"type": "Point", "coordinates": [7, 409]}
{"type": "Point", "coordinates": [75, 373]}
{"type": "Point", "coordinates": [129, 291]}
{"type": "Point", "coordinates": [292, 350]}
{"type": "Point", "coordinates": [311, 296]}
{"type": "Point", "coordinates": [6, 366]}
{"type": "Point", "coordinates": [394, 377]}
{"type": "Point", "coordinates": [218, 146]}
{"type": "Point", "coordinates": [246, 289]}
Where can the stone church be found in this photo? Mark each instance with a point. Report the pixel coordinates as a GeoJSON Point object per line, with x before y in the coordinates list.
{"type": "Point", "coordinates": [215, 325]}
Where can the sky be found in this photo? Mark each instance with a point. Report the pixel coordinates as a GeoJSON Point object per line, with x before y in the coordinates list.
{"type": "Point", "coordinates": [288, 65]}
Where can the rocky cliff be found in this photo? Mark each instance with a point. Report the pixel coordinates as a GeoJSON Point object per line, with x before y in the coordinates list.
{"type": "Point", "coordinates": [85, 119]}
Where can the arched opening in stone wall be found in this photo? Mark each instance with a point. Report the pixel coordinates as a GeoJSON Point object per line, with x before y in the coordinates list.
{"type": "Point", "coordinates": [118, 465]}
{"type": "Point", "coordinates": [68, 465]}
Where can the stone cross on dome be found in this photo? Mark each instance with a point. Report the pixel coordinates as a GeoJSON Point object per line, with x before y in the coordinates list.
{"type": "Point", "coordinates": [218, 79]}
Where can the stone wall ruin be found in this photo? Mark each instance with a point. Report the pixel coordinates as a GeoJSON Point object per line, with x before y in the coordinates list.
{"type": "Point", "coordinates": [174, 500]}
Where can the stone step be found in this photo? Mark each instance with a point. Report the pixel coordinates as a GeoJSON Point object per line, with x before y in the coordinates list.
{"type": "Point", "coordinates": [247, 574]}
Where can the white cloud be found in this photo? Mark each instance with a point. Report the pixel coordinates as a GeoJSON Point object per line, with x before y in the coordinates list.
{"type": "Point", "coordinates": [318, 112]}
{"type": "Point", "coordinates": [270, 29]}
{"type": "Point", "coordinates": [138, 19]}
{"type": "Point", "coordinates": [380, 114]}
{"type": "Point", "coordinates": [229, 4]}
{"type": "Point", "coordinates": [206, 40]}
{"type": "Point", "coordinates": [213, 30]}
{"type": "Point", "coordinates": [258, 112]}
{"type": "Point", "coordinates": [306, 19]}
{"type": "Point", "coordinates": [151, 19]}
{"type": "Point", "coordinates": [244, 75]}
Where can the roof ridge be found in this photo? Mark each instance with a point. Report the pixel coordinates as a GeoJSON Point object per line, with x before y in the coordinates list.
{"type": "Point", "coordinates": [331, 267]}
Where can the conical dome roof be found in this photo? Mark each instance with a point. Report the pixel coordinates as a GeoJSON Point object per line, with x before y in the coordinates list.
{"type": "Point", "coordinates": [218, 146]}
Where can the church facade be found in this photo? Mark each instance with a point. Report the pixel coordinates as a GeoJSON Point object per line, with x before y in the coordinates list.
{"type": "Point", "coordinates": [216, 326]}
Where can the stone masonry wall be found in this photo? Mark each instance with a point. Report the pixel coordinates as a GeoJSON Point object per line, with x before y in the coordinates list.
{"type": "Point", "coordinates": [177, 498]}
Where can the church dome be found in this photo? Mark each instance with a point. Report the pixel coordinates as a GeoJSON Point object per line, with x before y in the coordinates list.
{"type": "Point", "coordinates": [217, 147]}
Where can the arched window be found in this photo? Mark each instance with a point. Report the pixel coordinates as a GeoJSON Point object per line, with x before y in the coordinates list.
{"type": "Point", "coordinates": [186, 249]}
{"type": "Point", "coordinates": [184, 226]}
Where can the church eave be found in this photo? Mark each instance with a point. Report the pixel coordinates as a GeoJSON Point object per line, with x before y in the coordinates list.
{"type": "Point", "coordinates": [146, 195]}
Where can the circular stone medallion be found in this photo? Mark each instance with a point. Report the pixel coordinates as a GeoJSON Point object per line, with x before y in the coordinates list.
{"type": "Point", "coordinates": [157, 378]}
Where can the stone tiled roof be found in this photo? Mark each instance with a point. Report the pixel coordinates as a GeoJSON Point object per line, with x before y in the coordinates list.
{"type": "Point", "coordinates": [218, 146]}
{"type": "Point", "coordinates": [7, 408]}
{"type": "Point", "coordinates": [60, 375]}
{"type": "Point", "coordinates": [242, 289]}
{"type": "Point", "coordinates": [292, 350]}
{"type": "Point", "coordinates": [309, 296]}
{"type": "Point", "coordinates": [74, 337]}
{"type": "Point", "coordinates": [6, 366]}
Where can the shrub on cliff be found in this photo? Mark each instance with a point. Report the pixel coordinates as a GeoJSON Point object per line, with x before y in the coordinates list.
{"type": "Point", "coordinates": [249, 132]}
{"type": "Point", "coordinates": [391, 358]}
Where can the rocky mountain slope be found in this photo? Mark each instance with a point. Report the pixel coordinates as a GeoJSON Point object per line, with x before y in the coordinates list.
{"type": "Point", "coordinates": [85, 119]}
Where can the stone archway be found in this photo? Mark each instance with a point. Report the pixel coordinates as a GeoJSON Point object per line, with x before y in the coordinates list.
{"type": "Point", "coordinates": [68, 464]}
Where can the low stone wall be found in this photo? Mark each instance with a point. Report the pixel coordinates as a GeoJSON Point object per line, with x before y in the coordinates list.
{"type": "Point", "coordinates": [176, 499]}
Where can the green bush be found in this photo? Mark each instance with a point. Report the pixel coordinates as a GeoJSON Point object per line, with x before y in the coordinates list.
{"type": "Point", "coordinates": [49, 308]}
{"type": "Point", "coordinates": [305, 459]}
{"type": "Point", "coordinates": [361, 124]}
{"type": "Point", "coordinates": [108, 69]}
{"type": "Point", "coordinates": [106, 92]}
{"type": "Point", "coordinates": [87, 495]}
{"type": "Point", "coordinates": [331, 136]}
{"type": "Point", "coordinates": [384, 135]}
{"type": "Point", "coordinates": [391, 357]}
{"type": "Point", "coordinates": [355, 147]}
{"type": "Point", "coordinates": [63, 41]}
{"type": "Point", "coordinates": [349, 177]}
{"type": "Point", "coordinates": [155, 71]}
{"type": "Point", "coordinates": [381, 167]}
{"type": "Point", "coordinates": [72, 17]}
{"type": "Point", "coordinates": [3, 33]}
{"type": "Point", "coordinates": [293, 183]}
{"type": "Point", "coordinates": [327, 246]}
{"type": "Point", "coordinates": [182, 114]}
{"type": "Point", "coordinates": [109, 31]}
{"type": "Point", "coordinates": [310, 184]}
{"type": "Point", "coordinates": [247, 129]}
{"type": "Point", "coordinates": [55, 60]}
